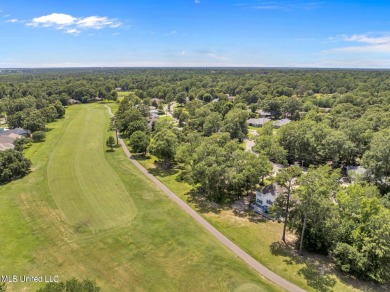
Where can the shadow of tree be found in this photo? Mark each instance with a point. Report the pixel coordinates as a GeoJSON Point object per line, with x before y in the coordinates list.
{"type": "Point", "coordinates": [161, 172]}
{"type": "Point", "coordinates": [201, 202]}
{"type": "Point", "coordinates": [318, 269]}
{"type": "Point", "coordinates": [316, 280]}
{"type": "Point", "coordinates": [316, 273]}
{"type": "Point", "coordinates": [250, 215]}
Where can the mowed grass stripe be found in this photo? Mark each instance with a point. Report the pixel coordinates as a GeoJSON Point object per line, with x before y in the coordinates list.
{"type": "Point", "coordinates": [85, 188]}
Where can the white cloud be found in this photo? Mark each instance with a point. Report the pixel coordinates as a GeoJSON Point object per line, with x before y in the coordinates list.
{"type": "Point", "coordinates": [73, 31]}
{"type": "Point", "coordinates": [197, 1]}
{"type": "Point", "coordinates": [73, 25]}
{"type": "Point", "coordinates": [54, 19]}
{"type": "Point", "coordinates": [14, 20]}
{"type": "Point", "coordinates": [96, 22]}
{"type": "Point", "coordinates": [366, 43]}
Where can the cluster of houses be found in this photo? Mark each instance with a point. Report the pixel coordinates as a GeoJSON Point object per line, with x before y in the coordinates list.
{"type": "Point", "coordinates": [8, 137]}
{"type": "Point", "coordinates": [265, 117]}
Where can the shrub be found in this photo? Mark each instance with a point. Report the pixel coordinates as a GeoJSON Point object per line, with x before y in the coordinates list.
{"type": "Point", "coordinates": [38, 136]}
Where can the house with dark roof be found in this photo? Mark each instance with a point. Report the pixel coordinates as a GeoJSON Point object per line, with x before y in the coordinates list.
{"type": "Point", "coordinates": [17, 131]}
{"type": "Point", "coordinates": [267, 196]}
{"type": "Point", "coordinates": [259, 122]}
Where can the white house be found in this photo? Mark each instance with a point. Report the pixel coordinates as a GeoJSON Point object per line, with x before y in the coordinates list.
{"type": "Point", "coordinates": [268, 195]}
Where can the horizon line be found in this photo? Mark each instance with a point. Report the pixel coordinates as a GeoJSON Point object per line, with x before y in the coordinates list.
{"type": "Point", "coordinates": [196, 67]}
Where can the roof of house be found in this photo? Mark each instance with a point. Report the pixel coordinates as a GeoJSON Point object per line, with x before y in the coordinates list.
{"type": "Point", "coordinates": [5, 146]}
{"type": "Point", "coordinates": [273, 189]}
{"type": "Point", "coordinates": [258, 121]}
{"type": "Point", "coordinates": [7, 139]}
{"type": "Point", "coordinates": [282, 122]}
{"type": "Point", "coordinates": [17, 131]}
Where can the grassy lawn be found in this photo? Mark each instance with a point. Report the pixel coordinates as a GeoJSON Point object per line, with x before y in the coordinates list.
{"type": "Point", "coordinates": [261, 239]}
{"type": "Point", "coordinates": [89, 213]}
{"type": "Point", "coordinates": [123, 94]}
{"type": "Point", "coordinates": [166, 118]}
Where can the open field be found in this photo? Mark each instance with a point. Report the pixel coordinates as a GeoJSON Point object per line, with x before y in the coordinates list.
{"type": "Point", "coordinates": [261, 239]}
{"type": "Point", "coordinates": [87, 212]}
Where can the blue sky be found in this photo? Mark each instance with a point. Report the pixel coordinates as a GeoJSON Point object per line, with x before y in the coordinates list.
{"type": "Point", "coordinates": [342, 34]}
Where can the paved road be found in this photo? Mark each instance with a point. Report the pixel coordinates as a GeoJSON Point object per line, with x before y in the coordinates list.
{"type": "Point", "coordinates": [222, 238]}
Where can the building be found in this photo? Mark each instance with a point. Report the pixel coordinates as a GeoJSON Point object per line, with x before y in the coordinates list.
{"type": "Point", "coordinates": [6, 142]}
{"type": "Point", "coordinates": [8, 137]}
{"type": "Point", "coordinates": [282, 122]}
{"type": "Point", "coordinates": [267, 196]}
{"type": "Point", "coordinates": [17, 131]}
{"type": "Point", "coordinates": [259, 122]}
{"type": "Point", "coordinates": [264, 114]}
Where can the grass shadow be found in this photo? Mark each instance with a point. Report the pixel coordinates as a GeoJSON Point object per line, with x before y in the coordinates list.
{"type": "Point", "coordinates": [202, 204]}
{"type": "Point", "coordinates": [250, 215]}
{"type": "Point", "coordinates": [318, 269]}
{"type": "Point", "coordinates": [110, 150]}
{"type": "Point", "coordinates": [316, 272]}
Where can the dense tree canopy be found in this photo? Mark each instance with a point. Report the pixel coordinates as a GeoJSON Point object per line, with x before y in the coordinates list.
{"type": "Point", "coordinates": [13, 165]}
{"type": "Point", "coordinates": [339, 118]}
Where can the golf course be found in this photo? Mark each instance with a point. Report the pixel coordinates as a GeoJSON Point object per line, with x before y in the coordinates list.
{"type": "Point", "coordinates": [87, 212]}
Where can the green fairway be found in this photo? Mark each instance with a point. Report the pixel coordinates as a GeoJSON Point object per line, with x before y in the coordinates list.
{"type": "Point", "coordinates": [87, 213]}
{"type": "Point", "coordinates": [84, 186]}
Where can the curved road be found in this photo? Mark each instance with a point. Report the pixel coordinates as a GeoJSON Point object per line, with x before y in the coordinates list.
{"type": "Point", "coordinates": [218, 235]}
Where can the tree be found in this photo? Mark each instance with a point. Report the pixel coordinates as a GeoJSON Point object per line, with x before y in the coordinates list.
{"type": "Point", "coordinates": [212, 124]}
{"type": "Point", "coordinates": [285, 178]}
{"type": "Point", "coordinates": [20, 142]}
{"type": "Point", "coordinates": [110, 142]}
{"type": "Point", "coordinates": [71, 285]}
{"type": "Point", "coordinates": [129, 119]}
{"type": "Point", "coordinates": [269, 146]}
{"type": "Point", "coordinates": [361, 245]}
{"type": "Point", "coordinates": [377, 159]}
{"type": "Point", "coordinates": [181, 97]}
{"type": "Point", "coordinates": [163, 145]}
{"type": "Point", "coordinates": [38, 136]}
{"type": "Point", "coordinates": [13, 165]}
{"type": "Point", "coordinates": [235, 123]}
{"type": "Point", "coordinates": [223, 169]}
{"type": "Point", "coordinates": [34, 121]}
{"type": "Point", "coordinates": [310, 218]}
{"type": "Point", "coordinates": [139, 142]}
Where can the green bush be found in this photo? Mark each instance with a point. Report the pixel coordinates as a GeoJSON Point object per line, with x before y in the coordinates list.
{"type": "Point", "coordinates": [38, 136]}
